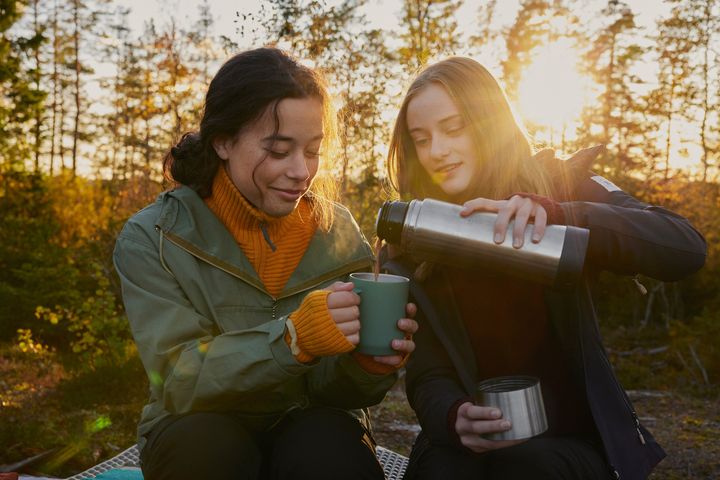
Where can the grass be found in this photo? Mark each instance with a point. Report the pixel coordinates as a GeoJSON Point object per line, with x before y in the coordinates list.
{"type": "Point", "coordinates": [82, 417]}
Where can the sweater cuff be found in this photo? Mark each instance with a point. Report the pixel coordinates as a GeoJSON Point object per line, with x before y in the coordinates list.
{"type": "Point", "coordinates": [555, 213]}
{"type": "Point", "coordinates": [316, 332]}
{"type": "Point", "coordinates": [367, 363]}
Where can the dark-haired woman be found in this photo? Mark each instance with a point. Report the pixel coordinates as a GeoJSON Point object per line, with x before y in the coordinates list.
{"type": "Point", "coordinates": [456, 139]}
{"type": "Point", "coordinates": [233, 283]}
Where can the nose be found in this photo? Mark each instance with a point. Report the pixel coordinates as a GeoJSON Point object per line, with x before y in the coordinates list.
{"type": "Point", "coordinates": [440, 147]}
{"type": "Point", "coordinates": [297, 167]}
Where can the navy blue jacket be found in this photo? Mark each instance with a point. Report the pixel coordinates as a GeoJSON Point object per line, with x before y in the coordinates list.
{"type": "Point", "coordinates": [627, 237]}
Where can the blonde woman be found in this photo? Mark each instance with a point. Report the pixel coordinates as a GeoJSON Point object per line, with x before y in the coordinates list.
{"type": "Point", "coordinates": [456, 139]}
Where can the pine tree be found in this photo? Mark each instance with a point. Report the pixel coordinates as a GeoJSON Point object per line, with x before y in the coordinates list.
{"type": "Point", "coordinates": [40, 39]}
{"type": "Point", "coordinates": [529, 31]}
{"type": "Point", "coordinates": [692, 32]}
{"type": "Point", "coordinates": [20, 96]}
{"type": "Point", "coordinates": [485, 32]}
{"type": "Point", "coordinates": [618, 111]}
{"type": "Point", "coordinates": [59, 83]}
{"type": "Point", "coordinates": [668, 100]}
{"type": "Point", "coordinates": [429, 28]}
{"type": "Point", "coordinates": [116, 45]}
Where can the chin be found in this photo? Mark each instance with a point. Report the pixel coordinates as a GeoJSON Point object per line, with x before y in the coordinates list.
{"type": "Point", "coordinates": [281, 210]}
{"type": "Point", "coordinates": [454, 190]}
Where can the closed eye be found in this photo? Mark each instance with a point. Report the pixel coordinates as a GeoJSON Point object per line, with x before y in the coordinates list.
{"type": "Point", "coordinates": [455, 129]}
{"type": "Point", "coordinates": [279, 155]}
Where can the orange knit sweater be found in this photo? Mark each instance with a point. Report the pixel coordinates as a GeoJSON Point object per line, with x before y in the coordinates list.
{"type": "Point", "coordinates": [317, 334]}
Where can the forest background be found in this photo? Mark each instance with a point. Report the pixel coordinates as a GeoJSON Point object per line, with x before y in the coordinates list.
{"type": "Point", "coordinates": [89, 107]}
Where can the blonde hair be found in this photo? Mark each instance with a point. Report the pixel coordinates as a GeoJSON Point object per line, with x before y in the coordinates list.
{"type": "Point", "coordinates": [502, 146]}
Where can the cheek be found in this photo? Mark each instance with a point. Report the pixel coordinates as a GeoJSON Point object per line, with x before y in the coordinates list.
{"type": "Point", "coordinates": [423, 159]}
{"type": "Point", "coordinates": [469, 151]}
{"type": "Point", "coordinates": [313, 166]}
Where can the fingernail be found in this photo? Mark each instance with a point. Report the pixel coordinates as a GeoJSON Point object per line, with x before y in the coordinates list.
{"type": "Point", "coordinates": [495, 413]}
{"type": "Point", "coordinates": [498, 238]}
{"type": "Point", "coordinates": [536, 237]}
{"type": "Point", "coordinates": [517, 243]}
{"type": "Point", "coordinates": [505, 424]}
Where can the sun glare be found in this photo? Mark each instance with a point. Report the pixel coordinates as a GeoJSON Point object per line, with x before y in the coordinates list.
{"type": "Point", "coordinates": [552, 91]}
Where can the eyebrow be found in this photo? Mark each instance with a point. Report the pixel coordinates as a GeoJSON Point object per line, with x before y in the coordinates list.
{"type": "Point", "coordinates": [445, 120]}
{"type": "Point", "coordinates": [283, 138]}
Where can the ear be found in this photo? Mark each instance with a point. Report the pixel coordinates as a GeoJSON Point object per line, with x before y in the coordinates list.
{"type": "Point", "coordinates": [222, 146]}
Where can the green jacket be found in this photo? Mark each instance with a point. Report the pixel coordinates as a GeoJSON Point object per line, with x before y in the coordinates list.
{"type": "Point", "coordinates": [211, 337]}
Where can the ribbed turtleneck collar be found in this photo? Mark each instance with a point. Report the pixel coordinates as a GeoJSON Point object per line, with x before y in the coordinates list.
{"type": "Point", "coordinates": [239, 215]}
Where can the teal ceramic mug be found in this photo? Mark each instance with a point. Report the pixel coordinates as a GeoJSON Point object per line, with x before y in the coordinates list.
{"type": "Point", "coordinates": [382, 304]}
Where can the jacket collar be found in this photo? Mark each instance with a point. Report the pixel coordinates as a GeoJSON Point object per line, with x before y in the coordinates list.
{"type": "Point", "coordinates": [567, 174]}
{"type": "Point", "coordinates": [186, 221]}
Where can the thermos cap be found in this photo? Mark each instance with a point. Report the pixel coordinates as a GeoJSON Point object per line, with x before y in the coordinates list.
{"type": "Point", "coordinates": [390, 220]}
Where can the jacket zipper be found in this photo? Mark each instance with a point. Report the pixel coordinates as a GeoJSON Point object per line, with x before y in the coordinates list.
{"type": "Point", "coordinates": [623, 395]}
{"type": "Point", "coordinates": [352, 267]}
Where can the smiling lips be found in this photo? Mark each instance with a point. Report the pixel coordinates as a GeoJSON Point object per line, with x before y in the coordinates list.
{"type": "Point", "coordinates": [445, 169]}
{"type": "Point", "coordinates": [289, 194]}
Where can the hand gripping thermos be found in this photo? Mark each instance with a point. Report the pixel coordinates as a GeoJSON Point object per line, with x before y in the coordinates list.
{"type": "Point", "coordinates": [434, 230]}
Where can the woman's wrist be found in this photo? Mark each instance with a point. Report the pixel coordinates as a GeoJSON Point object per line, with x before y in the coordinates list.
{"type": "Point", "coordinates": [315, 332]}
{"type": "Point", "coordinates": [555, 213]}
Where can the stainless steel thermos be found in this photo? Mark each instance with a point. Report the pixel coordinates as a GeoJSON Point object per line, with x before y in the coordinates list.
{"type": "Point", "coordinates": [433, 230]}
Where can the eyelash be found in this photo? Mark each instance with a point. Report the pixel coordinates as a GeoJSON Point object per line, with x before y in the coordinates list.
{"type": "Point", "coordinates": [281, 155]}
{"type": "Point", "coordinates": [277, 155]}
{"type": "Point", "coordinates": [450, 131]}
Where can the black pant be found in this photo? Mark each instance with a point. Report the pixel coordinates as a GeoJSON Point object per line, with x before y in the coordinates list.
{"type": "Point", "coordinates": [317, 443]}
{"type": "Point", "coordinates": [550, 458]}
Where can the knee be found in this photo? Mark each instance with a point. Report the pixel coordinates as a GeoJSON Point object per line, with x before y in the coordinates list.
{"type": "Point", "coordinates": [529, 460]}
{"type": "Point", "coordinates": [202, 445]}
{"type": "Point", "coordinates": [436, 462]}
{"type": "Point", "coordinates": [326, 446]}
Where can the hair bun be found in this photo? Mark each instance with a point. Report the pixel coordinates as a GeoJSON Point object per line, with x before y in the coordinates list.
{"type": "Point", "coordinates": [189, 145]}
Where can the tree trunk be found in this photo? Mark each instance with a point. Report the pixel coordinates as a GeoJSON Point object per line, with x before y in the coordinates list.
{"type": "Point", "coordinates": [76, 45]}
{"type": "Point", "coordinates": [55, 86]}
{"type": "Point", "coordinates": [38, 107]}
{"type": "Point", "coordinates": [706, 88]}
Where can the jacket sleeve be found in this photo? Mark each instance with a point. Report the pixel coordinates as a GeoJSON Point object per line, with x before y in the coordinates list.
{"type": "Point", "coordinates": [341, 382]}
{"type": "Point", "coordinates": [631, 237]}
{"type": "Point", "coordinates": [432, 385]}
{"type": "Point", "coordinates": [190, 364]}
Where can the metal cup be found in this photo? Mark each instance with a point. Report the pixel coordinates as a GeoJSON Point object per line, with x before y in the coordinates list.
{"type": "Point", "coordinates": [519, 398]}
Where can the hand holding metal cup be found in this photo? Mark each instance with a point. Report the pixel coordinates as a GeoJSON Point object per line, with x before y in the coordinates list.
{"type": "Point", "coordinates": [519, 398]}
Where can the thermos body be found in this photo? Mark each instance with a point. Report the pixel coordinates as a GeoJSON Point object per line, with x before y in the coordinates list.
{"type": "Point", "coordinates": [433, 230]}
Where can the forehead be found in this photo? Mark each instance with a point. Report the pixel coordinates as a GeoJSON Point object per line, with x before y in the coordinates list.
{"type": "Point", "coordinates": [430, 105]}
{"type": "Point", "coordinates": [298, 119]}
